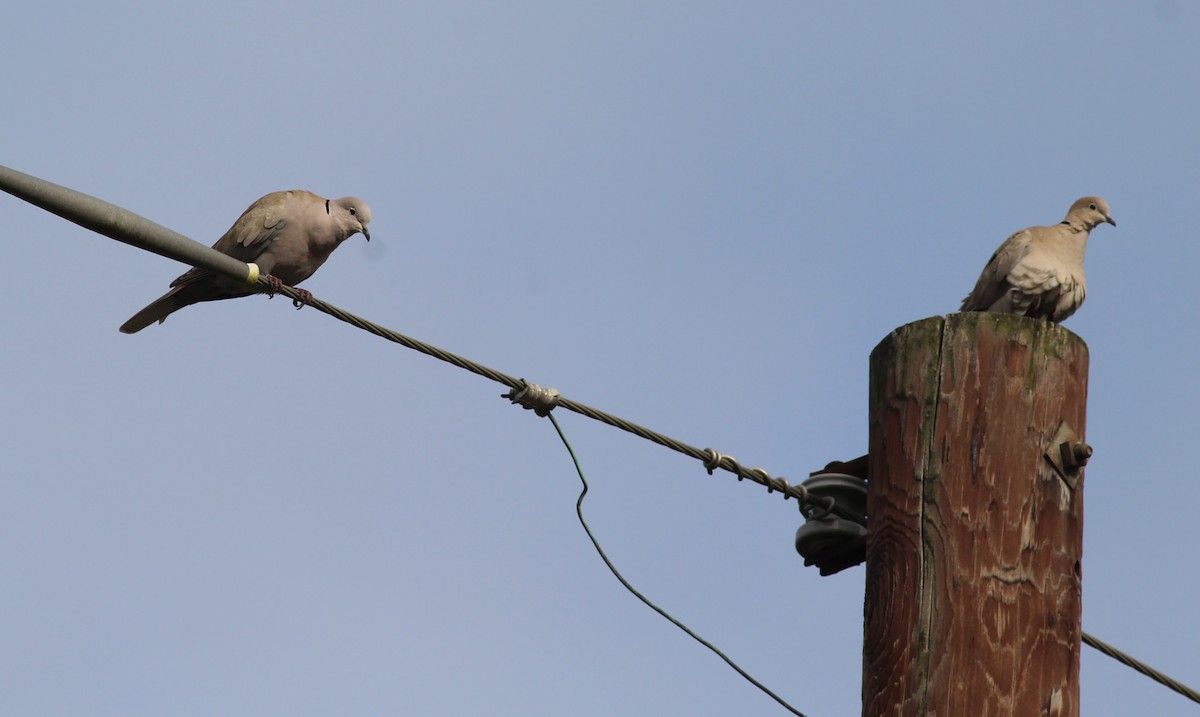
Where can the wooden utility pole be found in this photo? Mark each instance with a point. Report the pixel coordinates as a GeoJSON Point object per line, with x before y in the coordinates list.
{"type": "Point", "coordinates": [975, 519]}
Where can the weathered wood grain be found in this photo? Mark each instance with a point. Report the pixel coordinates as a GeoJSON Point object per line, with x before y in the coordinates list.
{"type": "Point", "coordinates": [974, 542]}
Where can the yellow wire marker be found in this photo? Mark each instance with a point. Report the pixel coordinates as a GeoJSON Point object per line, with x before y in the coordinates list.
{"type": "Point", "coordinates": [252, 277]}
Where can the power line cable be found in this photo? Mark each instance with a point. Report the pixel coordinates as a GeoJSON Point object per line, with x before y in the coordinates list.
{"type": "Point", "coordinates": [1141, 667]}
{"type": "Point", "coordinates": [643, 598]}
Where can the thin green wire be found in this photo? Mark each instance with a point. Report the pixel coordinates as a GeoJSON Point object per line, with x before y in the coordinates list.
{"type": "Point", "coordinates": [643, 598]}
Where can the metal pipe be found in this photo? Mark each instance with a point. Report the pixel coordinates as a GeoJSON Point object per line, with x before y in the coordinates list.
{"type": "Point", "coordinates": [118, 223]}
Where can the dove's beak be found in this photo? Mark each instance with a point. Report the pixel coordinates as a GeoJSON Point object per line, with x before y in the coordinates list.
{"type": "Point", "coordinates": [1106, 218]}
{"type": "Point", "coordinates": [367, 234]}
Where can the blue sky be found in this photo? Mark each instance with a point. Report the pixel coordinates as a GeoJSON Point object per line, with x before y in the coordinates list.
{"type": "Point", "coordinates": [699, 216]}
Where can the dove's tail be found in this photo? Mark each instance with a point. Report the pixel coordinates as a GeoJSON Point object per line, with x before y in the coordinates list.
{"type": "Point", "coordinates": [163, 307]}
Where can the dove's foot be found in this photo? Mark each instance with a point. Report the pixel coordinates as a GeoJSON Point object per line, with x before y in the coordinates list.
{"type": "Point", "coordinates": [273, 286]}
{"type": "Point", "coordinates": [305, 297]}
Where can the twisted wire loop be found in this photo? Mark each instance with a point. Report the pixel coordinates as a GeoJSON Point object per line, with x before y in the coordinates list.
{"type": "Point", "coordinates": [760, 476]}
{"type": "Point", "coordinates": [714, 459]}
{"type": "Point", "coordinates": [826, 505]}
{"type": "Point", "coordinates": [532, 396]}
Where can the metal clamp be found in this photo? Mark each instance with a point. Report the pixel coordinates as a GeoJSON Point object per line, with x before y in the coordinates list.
{"type": "Point", "coordinates": [1068, 455]}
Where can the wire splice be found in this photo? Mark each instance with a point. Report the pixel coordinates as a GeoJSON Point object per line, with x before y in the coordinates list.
{"type": "Point", "coordinates": [533, 397]}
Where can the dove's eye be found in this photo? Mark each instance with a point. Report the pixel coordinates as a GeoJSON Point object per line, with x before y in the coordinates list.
{"type": "Point", "coordinates": [1093, 207]}
{"type": "Point", "coordinates": [352, 212]}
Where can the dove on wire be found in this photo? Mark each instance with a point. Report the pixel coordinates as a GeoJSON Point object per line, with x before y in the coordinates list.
{"type": "Point", "coordinates": [1038, 271]}
{"type": "Point", "coordinates": [289, 235]}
